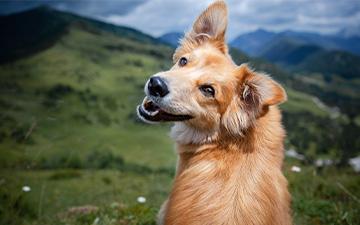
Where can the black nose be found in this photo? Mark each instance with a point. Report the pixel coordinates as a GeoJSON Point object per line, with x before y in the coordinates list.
{"type": "Point", "coordinates": [157, 87]}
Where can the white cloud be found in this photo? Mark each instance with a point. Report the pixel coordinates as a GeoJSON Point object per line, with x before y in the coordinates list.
{"type": "Point", "coordinates": [92, 8]}
{"type": "Point", "coordinates": [159, 16]}
{"type": "Point", "coordinates": [325, 16]}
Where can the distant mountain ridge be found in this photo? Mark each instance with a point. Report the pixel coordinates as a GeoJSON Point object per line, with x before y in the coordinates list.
{"type": "Point", "coordinates": [304, 51]}
{"type": "Point", "coordinates": [171, 38]}
{"type": "Point", "coordinates": [254, 42]}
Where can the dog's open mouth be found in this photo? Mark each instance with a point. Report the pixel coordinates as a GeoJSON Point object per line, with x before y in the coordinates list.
{"type": "Point", "coordinates": [149, 111]}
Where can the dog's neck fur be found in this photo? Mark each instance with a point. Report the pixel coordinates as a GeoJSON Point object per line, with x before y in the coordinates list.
{"type": "Point", "coordinates": [184, 134]}
{"type": "Point", "coordinates": [207, 180]}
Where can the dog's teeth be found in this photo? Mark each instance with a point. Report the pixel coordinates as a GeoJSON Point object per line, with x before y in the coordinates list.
{"type": "Point", "coordinates": [153, 113]}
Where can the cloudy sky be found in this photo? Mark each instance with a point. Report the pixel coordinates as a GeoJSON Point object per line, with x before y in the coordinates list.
{"type": "Point", "coordinates": [160, 16]}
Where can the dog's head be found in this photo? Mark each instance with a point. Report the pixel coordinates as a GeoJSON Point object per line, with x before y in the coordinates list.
{"type": "Point", "coordinates": [205, 91]}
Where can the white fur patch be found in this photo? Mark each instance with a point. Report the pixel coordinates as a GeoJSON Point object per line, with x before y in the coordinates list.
{"type": "Point", "coordinates": [184, 134]}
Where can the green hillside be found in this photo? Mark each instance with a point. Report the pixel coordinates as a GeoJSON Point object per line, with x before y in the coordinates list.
{"type": "Point", "coordinates": [68, 130]}
{"type": "Point", "coordinates": [25, 33]}
{"type": "Point", "coordinates": [334, 62]}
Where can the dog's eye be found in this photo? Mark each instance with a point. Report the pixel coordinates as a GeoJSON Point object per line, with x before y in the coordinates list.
{"type": "Point", "coordinates": [207, 90]}
{"type": "Point", "coordinates": [183, 61]}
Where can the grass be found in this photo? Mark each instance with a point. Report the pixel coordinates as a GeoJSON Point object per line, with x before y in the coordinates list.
{"type": "Point", "coordinates": [327, 196]}
{"type": "Point", "coordinates": [53, 191]}
{"type": "Point", "coordinates": [319, 199]}
{"type": "Point", "coordinates": [298, 102]}
{"type": "Point", "coordinates": [104, 100]}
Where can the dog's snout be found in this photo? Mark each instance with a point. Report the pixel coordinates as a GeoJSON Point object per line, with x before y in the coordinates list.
{"type": "Point", "coordinates": [157, 87]}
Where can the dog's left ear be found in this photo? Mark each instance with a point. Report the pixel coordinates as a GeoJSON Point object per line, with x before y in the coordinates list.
{"type": "Point", "coordinates": [256, 92]}
{"type": "Point", "coordinates": [211, 24]}
{"type": "Point", "coordinates": [260, 89]}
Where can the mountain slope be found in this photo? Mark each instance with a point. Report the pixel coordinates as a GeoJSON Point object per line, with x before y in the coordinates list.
{"type": "Point", "coordinates": [71, 106]}
{"type": "Point", "coordinates": [300, 57]}
{"type": "Point", "coordinates": [28, 32]}
{"type": "Point", "coordinates": [330, 63]}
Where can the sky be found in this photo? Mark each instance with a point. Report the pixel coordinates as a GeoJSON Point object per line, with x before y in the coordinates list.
{"type": "Point", "coordinates": [157, 17]}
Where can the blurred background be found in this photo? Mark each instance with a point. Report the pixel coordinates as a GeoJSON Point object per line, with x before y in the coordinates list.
{"type": "Point", "coordinates": [72, 150]}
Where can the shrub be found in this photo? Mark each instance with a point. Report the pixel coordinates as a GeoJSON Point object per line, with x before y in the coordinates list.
{"type": "Point", "coordinates": [60, 162]}
{"type": "Point", "coordinates": [59, 90]}
{"type": "Point", "coordinates": [19, 135]}
{"type": "Point", "coordinates": [55, 93]}
{"type": "Point", "coordinates": [103, 118]}
{"type": "Point", "coordinates": [103, 159]}
{"type": "Point", "coordinates": [110, 103]}
{"type": "Point", "coordinates": [65, 174]}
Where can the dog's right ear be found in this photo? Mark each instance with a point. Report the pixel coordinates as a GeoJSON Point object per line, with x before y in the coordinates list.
{"type": "Point", "coordinates": [211, 23]}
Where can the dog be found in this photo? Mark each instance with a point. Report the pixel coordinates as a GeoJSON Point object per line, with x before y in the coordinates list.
{"type": "Point", "coordinates": [227, 129]}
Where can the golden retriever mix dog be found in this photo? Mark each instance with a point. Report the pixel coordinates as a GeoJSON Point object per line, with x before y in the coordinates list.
{"type": "Point", "coordinates": [227, 130]}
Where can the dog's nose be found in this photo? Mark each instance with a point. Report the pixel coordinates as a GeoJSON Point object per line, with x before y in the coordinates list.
{"type": "Point", "coordinates": [157, 87]}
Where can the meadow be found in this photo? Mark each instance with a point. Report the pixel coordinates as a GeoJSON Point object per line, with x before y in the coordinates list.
{"type": "Point", "coordinates": [72, 150]}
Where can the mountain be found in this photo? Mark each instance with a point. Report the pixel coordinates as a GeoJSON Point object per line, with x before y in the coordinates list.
{"type": "Point", "coordinates": [304, 52]}
{"type": "Point", "coordinates": [302, 57]}
{"type": "Point", "coordinates": [330, 63]}
{"type": "Point", "coordinates": [328, 42]}
{"type": "Point", "coordinates": [27, 32]}
{"type": "Point", "coordinates": [67, 118]}
{"type": "Point", "coordinates": [287, 51]}
{"type": "Point", "coordinates": [254, 43]}
{"type": "Point", "coordinates": [171, 38]}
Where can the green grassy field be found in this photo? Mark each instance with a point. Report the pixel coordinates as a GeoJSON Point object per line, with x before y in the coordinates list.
{"type": "Point", "coordinates": [68, 130]}
{"type": "Point", "coordinates": [318, 197]}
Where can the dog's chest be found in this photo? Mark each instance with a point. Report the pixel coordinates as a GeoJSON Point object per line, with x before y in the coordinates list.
{"type": "Point", "coordinates": [204, 191]}
{"type": "Point", "coordinates": [221, 192]}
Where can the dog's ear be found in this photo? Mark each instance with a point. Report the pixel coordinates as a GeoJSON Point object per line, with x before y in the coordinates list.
{"type": "Point", "coordinates": [212, 22]}
{"type": "Point", "coordinates": [259, 89]}
{"type": "Point", "coordinates": [210, 26]}
{"type": "Point", "coordinates": [255, 93]}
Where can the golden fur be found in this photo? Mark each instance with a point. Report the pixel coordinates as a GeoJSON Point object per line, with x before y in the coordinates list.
{"type": "Point", "coordinates": [231, 152]}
